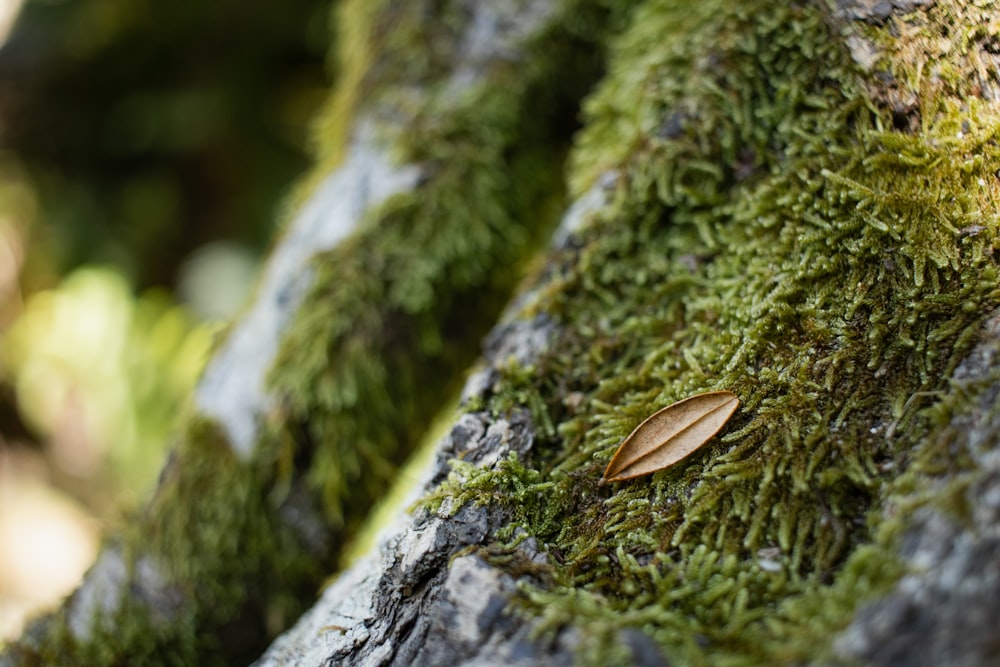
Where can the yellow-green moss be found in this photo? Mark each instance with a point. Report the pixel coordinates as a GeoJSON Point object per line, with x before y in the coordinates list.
{"type": "Point", "coordinates": [778, 233]}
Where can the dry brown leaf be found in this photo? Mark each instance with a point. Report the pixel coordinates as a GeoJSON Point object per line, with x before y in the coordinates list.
{"type": "Point", "coordinates": [670, 434]}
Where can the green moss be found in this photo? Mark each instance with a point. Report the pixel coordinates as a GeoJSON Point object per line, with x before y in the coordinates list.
{"type": "Point", "coordinates": [234, 572]}
{"type": "Point", "coordinates": [395, 315]}
{"type": "Point", "coordinates": [780, 229]}
{"type": "Point", "coordinates": [352, 27]}
{"type": "Point", "coordinates": [776, 232]}
{"type": "Point", "coordinates": [940, 56]}
{"type": "Point", "coordinates": [398, 310]}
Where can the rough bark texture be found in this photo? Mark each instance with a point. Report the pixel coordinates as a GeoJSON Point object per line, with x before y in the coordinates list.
{"type": "Point", "coordinates": [793, 202]}
{"type": "Point", "coordinates": [428, 596]}
{"type": "Point", "coordinates": [944, 610]}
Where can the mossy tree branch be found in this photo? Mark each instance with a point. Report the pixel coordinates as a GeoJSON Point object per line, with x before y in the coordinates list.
{"type": "Point", "coordinates": [765, 216]}
{"type": "Point", "coordinates": [406, 244]}
{"type": "Point", "coordinates": [793, 202]}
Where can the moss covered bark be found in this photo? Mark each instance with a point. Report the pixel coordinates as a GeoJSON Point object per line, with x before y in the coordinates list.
{"type": "Point", "coordinates": [402, 305]}
{"type": "Point", "coordinates": [784, 227]}
{"type": "Point", "coordinates": [231, 549]}
{"type": "Point", "coordinates": [800, 207]}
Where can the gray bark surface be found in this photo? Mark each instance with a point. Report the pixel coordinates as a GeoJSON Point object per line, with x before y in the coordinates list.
{"type": "Point", "coordinates": [426, 597]}
{"type": "Point", "coordinates": [945, 610]}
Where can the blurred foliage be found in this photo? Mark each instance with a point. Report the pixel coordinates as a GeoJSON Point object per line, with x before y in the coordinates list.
{"type": "Point", "coordinates": [102, 375]}
{"type": "Point", "coordinates": [142, 147]}
{"type": "Point", "coordinates": [151, 129]}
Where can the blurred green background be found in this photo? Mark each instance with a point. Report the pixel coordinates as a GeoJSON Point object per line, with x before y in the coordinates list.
{"type": "Point", "coordinates": [145, 152]}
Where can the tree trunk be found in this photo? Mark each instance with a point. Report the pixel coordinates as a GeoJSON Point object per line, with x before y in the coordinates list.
{"type": "Point", "coordinates": [794, 203]}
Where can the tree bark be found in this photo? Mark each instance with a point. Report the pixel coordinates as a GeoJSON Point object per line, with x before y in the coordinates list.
{"type": "Point", "coordinates": [795, 203]}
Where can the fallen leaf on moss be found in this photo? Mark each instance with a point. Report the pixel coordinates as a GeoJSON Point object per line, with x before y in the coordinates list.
{"type": "Point", "coordinates": [670, 434]}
